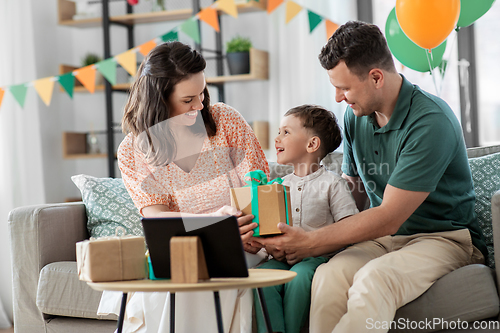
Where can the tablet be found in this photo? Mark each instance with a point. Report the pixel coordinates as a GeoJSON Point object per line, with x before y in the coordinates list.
{"type": "Point", "coordinates": [220, 239]}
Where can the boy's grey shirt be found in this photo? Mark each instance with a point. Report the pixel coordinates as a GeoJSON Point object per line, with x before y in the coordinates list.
{"type": "Point", "coordinates": [319, 199]}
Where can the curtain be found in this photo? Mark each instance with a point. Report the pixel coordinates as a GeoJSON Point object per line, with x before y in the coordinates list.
{"type": "Point", "coordinates": [20, 149]}
{"type": "Point", "coordinates": [295, 74]}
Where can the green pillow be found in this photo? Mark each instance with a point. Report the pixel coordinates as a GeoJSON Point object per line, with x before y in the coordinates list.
{"type": "Point", "coordinates": [486, 176]}
{"type": "Point", "coordinates": [108, 206]}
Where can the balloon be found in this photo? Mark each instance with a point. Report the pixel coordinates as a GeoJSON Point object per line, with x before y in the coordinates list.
{"type": "Point", "coordinates": [427, 22]}
{"type": "Point", "coordinates": [471, 10]}
{"type": "Point", "coordinates": [408, 53]}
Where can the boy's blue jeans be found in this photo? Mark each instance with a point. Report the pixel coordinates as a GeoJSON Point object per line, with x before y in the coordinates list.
{"type": "Point", "coordinates": [289, 303]}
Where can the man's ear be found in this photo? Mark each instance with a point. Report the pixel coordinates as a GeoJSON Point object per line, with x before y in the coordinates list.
{"type": "Point", "coordinates": [313, 144]}
{"type": "Point", "coordinates": [376, 75]}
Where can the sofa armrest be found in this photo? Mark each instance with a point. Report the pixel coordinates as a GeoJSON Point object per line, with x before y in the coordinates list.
{"type": "Point", "coordinates": [495, 220]}
{"type": "Point", "coordinates": [40, 235]}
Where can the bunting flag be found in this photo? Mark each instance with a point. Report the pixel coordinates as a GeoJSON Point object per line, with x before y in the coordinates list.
{"type": "Point", "coordinates": [108, 69]}
{"type": "Point", "coordinates": [170, 36]}
{"type": "Point", "coordinates": [330, 28]}
{"type": "Point", "coordinates": [272, 5]}
{"type": "Point", "coordinates": [86, 75]}
{"type": "Point", "coordinates": [210, 17]}
{"type": "Point", "coordinates": [146, 47]}
{"type": "Point", "coordinates": [2, 92]}
{"type": "Point", "coordinates": [19, 93]}
{"type": "Point", "coordinates": [228, 6]}
{"type": "Point", "coordinates": [44, 88]}
{"type": "Point", "coordinates": [314, 20]}
{"type": "Point", "coordinates": [190, 28]}
{"type": "Point", "coordinates": [67, 81]}
{"type": "Point", "coordinates": [128, 60]}
{"type": "Point", "coordinates": [292, 9]}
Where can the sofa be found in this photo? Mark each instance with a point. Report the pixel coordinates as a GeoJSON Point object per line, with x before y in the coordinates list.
{"type": "Point", "coordinates": [48, 297]}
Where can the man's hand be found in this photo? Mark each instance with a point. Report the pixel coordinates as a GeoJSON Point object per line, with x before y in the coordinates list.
{"type": "Point", "coordinates": [294, 242]}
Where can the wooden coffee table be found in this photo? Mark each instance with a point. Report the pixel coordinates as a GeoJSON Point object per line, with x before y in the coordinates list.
{"type": "Point", "coordinates": [258, 278]}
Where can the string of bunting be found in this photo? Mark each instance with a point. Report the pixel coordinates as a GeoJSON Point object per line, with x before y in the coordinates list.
{"type": "Point", "coordinates": [128, 59]}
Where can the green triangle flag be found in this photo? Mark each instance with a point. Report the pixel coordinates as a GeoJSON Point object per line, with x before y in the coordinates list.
{"type": "Point", "coordinates": [170, 36]}
{"type": "Point", "coordinates": [19, 92]}
{"type": "Point", "coordinates": [190, 28]}
{"type": "Point", "coordinates": [67, 81]}
{"type": "Point", "coordinates": [314, 20]}
{"type": "Point", "coordinates": [108, 69]}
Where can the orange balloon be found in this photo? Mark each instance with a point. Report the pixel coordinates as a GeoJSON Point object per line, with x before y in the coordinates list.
{"type": "Point", "coordinates": [427, 23]}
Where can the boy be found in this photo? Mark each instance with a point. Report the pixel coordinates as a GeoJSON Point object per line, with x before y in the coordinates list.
{"type": "Point", "coordinates": [318, 198]}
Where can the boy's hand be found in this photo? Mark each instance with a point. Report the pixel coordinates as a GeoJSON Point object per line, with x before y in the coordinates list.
{"type": "Point", "coordinates": [277, 254]}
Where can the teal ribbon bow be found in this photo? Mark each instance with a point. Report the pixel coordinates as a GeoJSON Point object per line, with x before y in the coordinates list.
{"type": "Point", "coordinates": [255, 179]}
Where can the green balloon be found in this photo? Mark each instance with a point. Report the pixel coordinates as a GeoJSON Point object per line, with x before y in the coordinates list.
{"type": "Point", "coordinates": [471, 10]}
{"type": "Point", "coordinates": [407, 52]}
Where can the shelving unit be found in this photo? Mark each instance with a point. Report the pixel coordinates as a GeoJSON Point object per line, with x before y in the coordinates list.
{"type": "Point", "coordinates": [67, 9]}
{"type": "Point", "coordinates": [75, 146]}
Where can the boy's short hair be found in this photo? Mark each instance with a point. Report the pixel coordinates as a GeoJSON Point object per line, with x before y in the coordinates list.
{"type": "Point", "coordinates": [322, 123]}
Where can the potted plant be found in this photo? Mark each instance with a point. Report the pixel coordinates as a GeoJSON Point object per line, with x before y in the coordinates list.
{"type": "Point", "coordinates": [238, 55]}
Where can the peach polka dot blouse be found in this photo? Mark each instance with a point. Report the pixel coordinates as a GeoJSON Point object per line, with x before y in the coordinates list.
{"type": "Point", "coordinates": [224, 160]}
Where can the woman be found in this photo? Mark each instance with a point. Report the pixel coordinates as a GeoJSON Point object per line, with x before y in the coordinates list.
{"type": "Point", "coordinates": [182, 156]}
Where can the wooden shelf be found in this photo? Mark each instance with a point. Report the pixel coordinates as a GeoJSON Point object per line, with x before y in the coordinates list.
{"type": "Point", "coordinates": [259, 69]}
{"type": "Point", "coordinates": [259, 64]}
{"type": "Point", "coordinates": [68, 8]}
{"type": "Point", "coordinates": [75, 146]}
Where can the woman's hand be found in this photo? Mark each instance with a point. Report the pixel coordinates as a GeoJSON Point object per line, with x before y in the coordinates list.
{"type": "Point", "coordinates": [246, 227]}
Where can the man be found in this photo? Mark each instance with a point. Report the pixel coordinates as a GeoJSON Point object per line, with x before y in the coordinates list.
{"type": "Point", "coordinates": [405, 147]}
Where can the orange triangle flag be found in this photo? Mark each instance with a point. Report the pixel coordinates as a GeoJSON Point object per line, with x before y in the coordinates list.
{"type": "Point", "coordinates": [272, 5]}
{"type": "Point", "coordinates": [128, 60]}
{"type": "Point", "coordinates": [146, 47]}
{"type": "Point", "coordinates": [330, 28]}
{"type": "Point", "coordinates": [210, 17]}
{"type": "Point", "coordinates": [86, 75]}
{"type": "Point", "coordinates": [2, 92]}
{"type": "Point", "coordinates": [228, 6]}
{"type": "Point", "coordinates": [44, 88]}
{"type": "Point", "coordinates": [292, 9]}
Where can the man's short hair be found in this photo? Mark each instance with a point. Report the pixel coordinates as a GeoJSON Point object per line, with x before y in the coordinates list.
{"type": "Point", "coordinates": [322, 123]}
{"type": "Point", "coordinates": [362, 47]}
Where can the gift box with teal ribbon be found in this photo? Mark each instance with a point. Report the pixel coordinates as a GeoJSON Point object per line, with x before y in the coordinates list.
{"type": "Point", "coordinates": [269, 202]}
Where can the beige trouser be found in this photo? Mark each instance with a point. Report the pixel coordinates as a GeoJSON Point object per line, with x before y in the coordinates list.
{"type": "Point", "coordinates": [369, 281]}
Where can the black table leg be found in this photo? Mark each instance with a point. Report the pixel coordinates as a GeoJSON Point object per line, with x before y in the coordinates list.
{"type": "Point", "coordinates": [122, 313]}
{"type": "Point", "coordinates": [172, 312]}
{"type": "Point", "coordinates": [264, 310]}
{"type": "Point", "coordinates": [218, 312]}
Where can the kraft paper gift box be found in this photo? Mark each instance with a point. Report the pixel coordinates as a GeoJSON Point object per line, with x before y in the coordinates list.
{"type": "Point", "coordinates": [112, 259]}
{"type": "Point", "coordinates": [273, 203]}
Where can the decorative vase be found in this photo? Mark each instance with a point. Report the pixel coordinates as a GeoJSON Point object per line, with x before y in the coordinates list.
{"type": "Point", "coordinates": [238, 62]}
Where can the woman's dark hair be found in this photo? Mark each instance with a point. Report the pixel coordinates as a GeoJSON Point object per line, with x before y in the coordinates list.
{"type": "Point", "coordinates": [321, 123]}
{"type": "Point", "coordinates": [147, 107]}
{"type": "Point", "coordinates": [360, 45]}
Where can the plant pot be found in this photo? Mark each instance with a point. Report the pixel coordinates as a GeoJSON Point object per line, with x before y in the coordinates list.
{"type": "Point", "coordinates": [238, 62]}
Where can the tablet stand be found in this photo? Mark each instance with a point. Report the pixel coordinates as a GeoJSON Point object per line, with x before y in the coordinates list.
{"type": "Point", "coordinates": [187, 260]}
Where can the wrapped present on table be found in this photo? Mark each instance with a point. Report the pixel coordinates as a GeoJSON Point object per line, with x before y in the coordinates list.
{"type": "Point", "coordinates": [268, 202]}
{"type": "Point", "coordinates": [111, 259]}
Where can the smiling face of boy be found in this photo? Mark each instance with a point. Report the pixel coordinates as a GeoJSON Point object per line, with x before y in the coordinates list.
{"type": "Point", "coordinates": [292, 141]}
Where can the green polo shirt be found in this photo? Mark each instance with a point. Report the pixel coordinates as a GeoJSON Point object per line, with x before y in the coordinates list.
{"type": "Point", "coordinates": [420, 149]}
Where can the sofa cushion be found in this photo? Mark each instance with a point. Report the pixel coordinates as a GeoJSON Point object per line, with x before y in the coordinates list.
{"type": "Point", "coordinates": [108, 206]}
{"type": "Point", "coordinates": [467, 293]}
{"type": "Point", "coordinates": [486, 176]}
{"type": "Point", "coordinates": [61, 293]}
